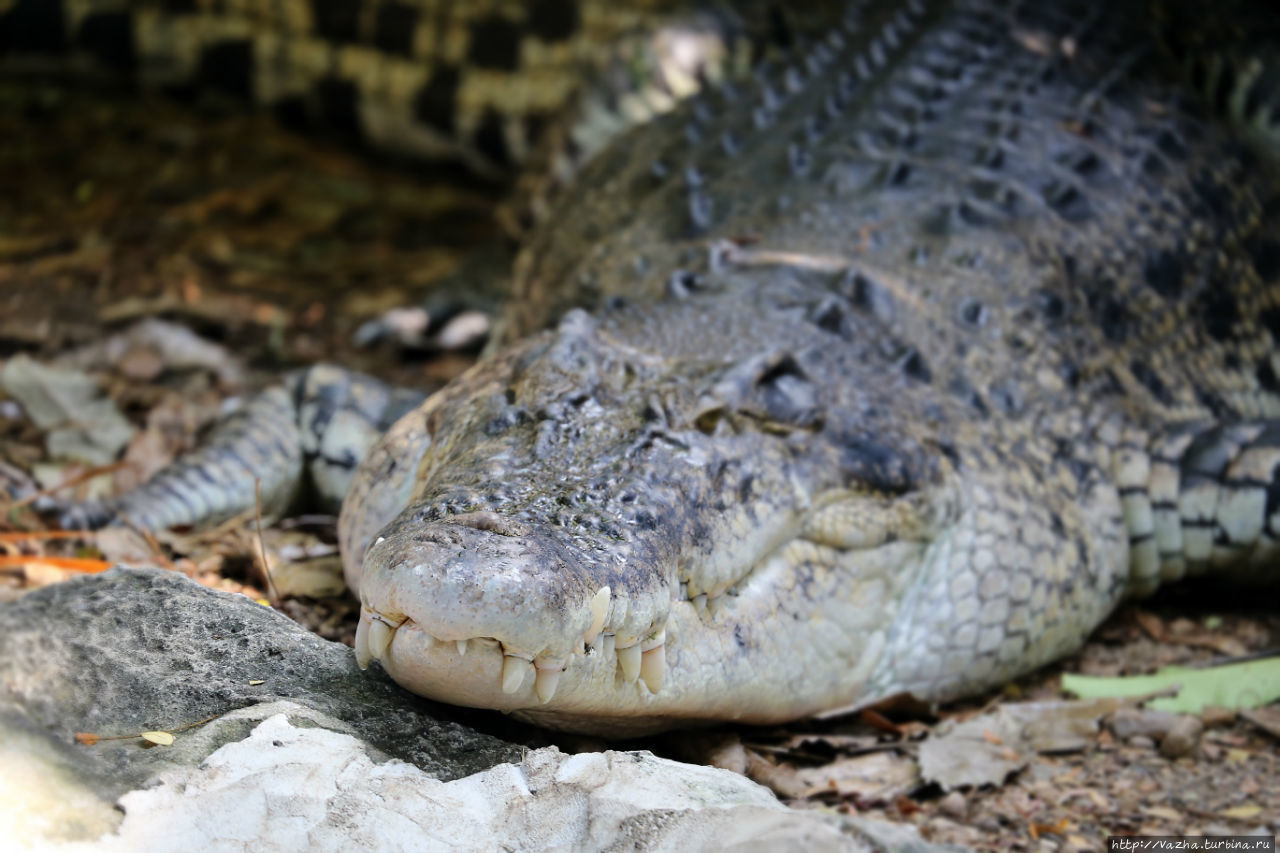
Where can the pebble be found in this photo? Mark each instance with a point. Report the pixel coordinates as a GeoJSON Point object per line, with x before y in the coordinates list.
{"type": "Point", "coordinates": [1127, 723]}
{"type": "Point", "coordinates": [1183, 738]}
{"type": "Point", "coordinates": [954, 804]}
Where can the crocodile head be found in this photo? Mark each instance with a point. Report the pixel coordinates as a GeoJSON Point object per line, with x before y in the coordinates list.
{"type": "Point", "coordinates": [610, 531]}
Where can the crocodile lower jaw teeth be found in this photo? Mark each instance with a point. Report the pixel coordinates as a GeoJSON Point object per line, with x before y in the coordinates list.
{"type": "Point", "coordinates": [642, 661]}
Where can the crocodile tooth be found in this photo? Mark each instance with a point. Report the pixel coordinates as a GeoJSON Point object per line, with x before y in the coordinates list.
{"type": "Point", "coordinates": [653, 667]}
{"type": "Point", "coordinates": [514, 670]}
{"type": "Point", "coordinates": [462, 647]}
{"type": "Point", "coordinates": [362, 641]}
{"type": "Point", "coordinates": [546, 682]}
{"type": "Point", "coordinates": [379, 637]}
{"type": "Point", "coordinates": [599, 612]}
{"type": "Point", "coordinates": [700, 604]}
{"type": "Point", "coordinates": [629, 659]}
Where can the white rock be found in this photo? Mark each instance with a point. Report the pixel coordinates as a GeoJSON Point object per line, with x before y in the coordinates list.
{"type": "Point", "coordinates": [285, 788]}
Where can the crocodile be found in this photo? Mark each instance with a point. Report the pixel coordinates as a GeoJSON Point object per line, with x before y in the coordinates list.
{"type": "Point", "coordinates": [890, 370]}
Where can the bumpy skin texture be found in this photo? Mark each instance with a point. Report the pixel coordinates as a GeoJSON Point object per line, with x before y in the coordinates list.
{"type": "Point", "coordinates": [936, 343]}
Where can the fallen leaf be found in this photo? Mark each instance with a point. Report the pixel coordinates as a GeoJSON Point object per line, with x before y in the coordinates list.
{"type": "Point", "coordinates": [1243, 812]}
{"type": "Point", "coordinates": [151, 346]}
{"type": "Point", "coordinates": [879, 776]}
{"type": "Point", "coordinates": [986, 749]}
{"type": "Point", "coordinates": [319, 578]}
{"type": "Point", "coordinates": [1251, 684]}
{"type": "Point", "coordinates": [123, 545]}
{"type": "Point", "coordinates": [86, 738]}
{"type": "Point", "coordinates": [1164, 813]}
{"type": "Point", "coordinates": [1038, 829]}
{"type": "Point", "coordinates": [1267, 719]}
{"type": "Point", "coordinates": [86, 565]}
{"type": "Point", "coordinates": [158, 738]}
{"type": "Point", "coordinates": [79, 422]}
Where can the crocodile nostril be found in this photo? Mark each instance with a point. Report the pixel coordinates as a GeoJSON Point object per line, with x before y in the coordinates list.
{"type": "Point", "coordinates": [489, 522]}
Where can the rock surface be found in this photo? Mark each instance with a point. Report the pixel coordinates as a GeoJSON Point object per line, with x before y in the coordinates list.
{"type": "Point", "coordinates": [287, 788]}
{"type": "Point", "coordinates": [131, 651]}
{"type": "Point", "coordinates": [317, 755]}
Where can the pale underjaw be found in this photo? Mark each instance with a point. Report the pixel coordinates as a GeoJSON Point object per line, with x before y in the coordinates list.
{"type": "Point", "coordinates": [483, 620]}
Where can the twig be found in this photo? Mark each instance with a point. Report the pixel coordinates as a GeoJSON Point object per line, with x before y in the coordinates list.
{"type": "Point", "coordinates": [89, 738]}
{"type": "Point", "coordinates": [68, 483]}
{"type": "Point", "coordinates": [262, 545]}
{"type": "Point", "coordinates": [24, 535]}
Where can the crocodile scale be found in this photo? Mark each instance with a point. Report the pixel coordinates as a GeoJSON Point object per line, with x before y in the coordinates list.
{"type": "Point", "coordinates": [891, 369]}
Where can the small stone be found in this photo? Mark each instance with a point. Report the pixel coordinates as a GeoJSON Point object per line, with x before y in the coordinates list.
{"type": "Point", "coordinates": [1183, 738]}
{"type": "Point", "coordinates": [954, 804]}
{"type": "Point", "coordinates": [728, 754]}
{"type": "Point", "coordinates": [987, 824]}
{"type": "Point", "coordinates": [1141, 742]}
{"type": "Point", "coordinates": [1128, 722]}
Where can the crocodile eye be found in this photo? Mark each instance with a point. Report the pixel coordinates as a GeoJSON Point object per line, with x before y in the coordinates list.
{"type": "Point", "coordinates": [773, 390]}
{"type": "Point", "coordinates": [788, 395]}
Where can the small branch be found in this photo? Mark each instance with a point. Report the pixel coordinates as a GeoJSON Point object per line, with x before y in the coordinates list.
{"type": "Point", "coordinates": [262, 545]}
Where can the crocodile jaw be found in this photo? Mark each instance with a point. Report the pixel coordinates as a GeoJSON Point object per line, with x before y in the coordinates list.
{"type": "Point", "coordinates": [539, 648]}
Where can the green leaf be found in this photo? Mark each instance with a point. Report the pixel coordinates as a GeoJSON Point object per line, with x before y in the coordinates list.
{"type": "Point", "coordinates": [1251, 684]}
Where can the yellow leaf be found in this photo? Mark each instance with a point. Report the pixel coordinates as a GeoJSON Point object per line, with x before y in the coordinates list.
{"type": "Point", "coordinates": [158, 738]}
{"type": "Point", "coordinates": [1238, 755]}
{"type": "Point", "coordinates": [256, 681]}
{"type": "Point", "coordinates": [1248, 810]}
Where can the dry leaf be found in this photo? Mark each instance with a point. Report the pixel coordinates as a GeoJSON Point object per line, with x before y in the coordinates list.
{"type": "Point", "coordinates": [1267, 719]}
{"type": "Point", "coordinates": [1244, 812]}
{"type": "Point", "coordinates": [158, 738]}
{"type": "Point", "coordinates": [1038, 829]}
{"type": "Point", "coordinates": [1164, 813]}
{"type": "Point", "coordinates": [984, 750]}
{"type": "Point", "coordinates": [880, 776]}
{"type": "Point", "coordinates": [80, 423]}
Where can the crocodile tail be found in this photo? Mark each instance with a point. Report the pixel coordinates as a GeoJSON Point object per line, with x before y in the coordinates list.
{"type": "Point", "coordinates": [310, 431]}
{"type": "Point", "coordinates": [1201, 497]}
